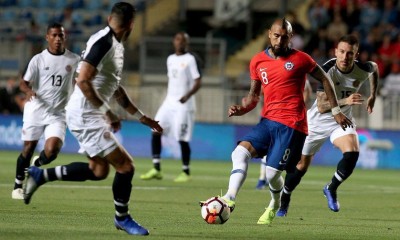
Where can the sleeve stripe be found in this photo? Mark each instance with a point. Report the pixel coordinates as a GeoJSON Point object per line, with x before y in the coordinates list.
{"type": "Point", "coordinates": [99, 49]}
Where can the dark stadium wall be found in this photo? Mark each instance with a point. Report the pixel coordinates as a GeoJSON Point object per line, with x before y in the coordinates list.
{"type": "Point", "coordinates": [379, 148]}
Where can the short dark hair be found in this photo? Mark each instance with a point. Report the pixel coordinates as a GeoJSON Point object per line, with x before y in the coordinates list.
{"type": "Point", "coordinates": [350, 39]}
{"type": "Point", "coordinates": [125, 11]}
{"type": "Point", "coordinates": [54, 25]}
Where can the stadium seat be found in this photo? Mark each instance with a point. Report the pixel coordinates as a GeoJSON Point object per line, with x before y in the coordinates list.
{"type": "Point", "coordinates": [8, 15]}
{"type": "Point", "coordinates": [25, 3]}
{"type": "Point", "coordinates": [43, 4]}
{"type": "Point", "coordinates": [93, 4]}
{"type": "Point", "coordinates": [42, 17]}
{"type": "Point", "coordinates": [60, 4]}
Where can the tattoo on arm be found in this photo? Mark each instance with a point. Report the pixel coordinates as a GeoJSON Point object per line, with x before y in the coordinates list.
{"type": "Point", "coordinates": [255, 89]}
{"type": "Point", "coordinates": [373, 81]}
{"type": "Point", "coordinates": [121, 97]}
{"type": "Point", "coordinates": [319, 74]}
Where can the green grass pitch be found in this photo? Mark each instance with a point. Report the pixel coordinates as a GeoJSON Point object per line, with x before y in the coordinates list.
{"type": "Point", "coordinates": [370, 206]}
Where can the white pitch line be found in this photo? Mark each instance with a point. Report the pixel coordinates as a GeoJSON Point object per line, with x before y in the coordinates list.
{"type": "Point", "coordinates": [93, 187]}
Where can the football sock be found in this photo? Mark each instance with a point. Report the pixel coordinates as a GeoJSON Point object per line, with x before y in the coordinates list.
{"type": "Point", "coordinates": [157, 164]}
{"type": "Point", "coordinates": [185, 151]}
{"type": "Point", "coordinates": [292, 179]}
{"type": "Point", "coordinates": [43, 160]}
{"type": "Point", "coordinates": [122, 187]}
{"type": "Point", "coordinates": [76, 172]}
{"type": "Point", "coordinates": [275, 186]}
{"type": "Point", "coordinates": [22, 164]}
{"type": "Point", "coordinates": [344, 169]}
{"type": "Point", "coordinates": [263, 165]}
{"type": "Point", "coordinates": [156, 150]}
{"type": "Point", "coordinates": [186, 169]}
{"type": "Point", "coordinates": [240, 159]}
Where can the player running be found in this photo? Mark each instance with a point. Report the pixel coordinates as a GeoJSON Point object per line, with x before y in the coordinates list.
{"type": "Point", "coordinates": [47, 83]}
{"type": "Point", "coordinates": [92, 122]}
{"type": "Point", "coordinates": [280, 72]}
{"type": "Point", "coordinates": [347, 75]}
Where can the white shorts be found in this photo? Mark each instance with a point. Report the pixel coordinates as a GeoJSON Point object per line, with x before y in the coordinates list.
{"type": "Point", "coordinates": [318, 135]}
{"type": "Point", "coordinates": [33, 132]}
{"type": "Point", "coordinates": [94, 135]}
{"type": "Point", "coordinates": [177, 123]}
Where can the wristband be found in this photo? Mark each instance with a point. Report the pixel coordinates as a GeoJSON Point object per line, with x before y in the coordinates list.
{"type": "Point", "coordinates": [104, 108]}
{"type": "Point", "coordinates": [138, 114]}
{"type": "Point", "coordinates": [336, 110]}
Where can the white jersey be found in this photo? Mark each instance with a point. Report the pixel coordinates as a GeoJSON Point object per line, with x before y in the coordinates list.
{"type": "Point", "coordinates": [183, 70]}
{"type": "Point", "coordinates": [51, 78]}
{"type": "Point", "coordinates": [345, 85]}
{"type": "Point", "coordinates": [106, 53]}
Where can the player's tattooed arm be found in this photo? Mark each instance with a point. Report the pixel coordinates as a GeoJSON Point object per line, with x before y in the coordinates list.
{"type": "Point", "coordinates": [249, 102]}
{"type": "Point", "coordinates": [373, 84]}
{"type": "Point", "coordinates": [319, 74]}
{"type": "Point", "coordinates": [124, 101]}
{"type": "Point", "coordinates": [324, 106]}
{"type": "Point", "coordinates": [84, 82]}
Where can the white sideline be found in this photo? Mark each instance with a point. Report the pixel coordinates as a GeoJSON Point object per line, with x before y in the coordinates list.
{"type": "Point", "coordinates": [92, 187]}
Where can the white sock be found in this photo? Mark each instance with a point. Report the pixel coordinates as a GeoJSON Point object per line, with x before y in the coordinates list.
{"type": "Point", "coordinates": [262, 168]}
{"type": "Point", "coordinates": [275, 186]}
{"type": "Point", "coordinates": [240, 160]}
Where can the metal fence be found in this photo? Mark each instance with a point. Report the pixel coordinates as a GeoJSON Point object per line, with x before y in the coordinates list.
{"type": "Point", "coordinates": [155, 50]}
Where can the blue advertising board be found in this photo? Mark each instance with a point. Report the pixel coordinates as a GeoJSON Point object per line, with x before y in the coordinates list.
{"type": "Point", "coordinates": [379, 149]}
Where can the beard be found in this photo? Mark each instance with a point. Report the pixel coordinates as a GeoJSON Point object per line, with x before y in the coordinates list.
{"type": "Point", "coordinates": [279, 51]}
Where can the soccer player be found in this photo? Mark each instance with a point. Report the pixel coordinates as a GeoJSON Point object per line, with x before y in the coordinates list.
{"type": "Point", "coordinates": [47, 83]}
{"type": "Point", "coordinates": [262, 179]}
{"type": "Point", "coordinates": [176, 114]}
{"type": "Point", "coordinates": [347, 75]}
{"type": "Point", "coordinates": [92, 122]}
{"type": "Point", "coordinates": [280, 72]}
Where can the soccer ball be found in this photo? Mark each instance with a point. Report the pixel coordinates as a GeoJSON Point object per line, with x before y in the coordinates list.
{"type": "Point", "coordinates": [215, 211]}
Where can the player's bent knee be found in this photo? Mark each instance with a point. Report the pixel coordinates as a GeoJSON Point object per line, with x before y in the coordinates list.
{"type": "Point", "coordinates": [272, 174]}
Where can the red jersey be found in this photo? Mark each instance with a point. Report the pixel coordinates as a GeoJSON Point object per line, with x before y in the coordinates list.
{"type": "Point", "coordinates": [283, 81]}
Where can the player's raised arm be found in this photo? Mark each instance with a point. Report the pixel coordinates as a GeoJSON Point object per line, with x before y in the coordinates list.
{"type": "Point", "coordinates": [319, 74]}
{"type": "Point", "coordinates": [249, 102]}
{"type": "Point", "coordinates": [125, 102]}
{"type": "Point", "coordinates": [373, 84]}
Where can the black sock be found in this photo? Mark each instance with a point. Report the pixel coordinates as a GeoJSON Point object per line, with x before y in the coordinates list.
{"type": "Point", "coordinates": [344, 169]}
{"type": "Point", "coordinates": [156, 150]}
{"type": "Point", "coordinates": [22, 164]}
{"type": "Point", "coordinates": [185, 151]}
{"type": "Point", "coordinates": [43, 160]}
{"type": "Point", "coordinates": [76, 172]}
{"type": "Point", "coordinates": [122, 187]}
{"type": "Point", "coordinates": [293, 179]}
{"type": "Point", "coordinates": [285, 199]}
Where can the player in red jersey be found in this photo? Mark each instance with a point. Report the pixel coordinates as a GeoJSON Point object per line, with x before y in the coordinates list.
{"type": "Point", "coordinates": [280, 72]}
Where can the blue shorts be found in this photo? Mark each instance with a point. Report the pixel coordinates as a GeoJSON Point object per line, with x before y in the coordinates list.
{"type": "Point", "coordinates": [280, 143]}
